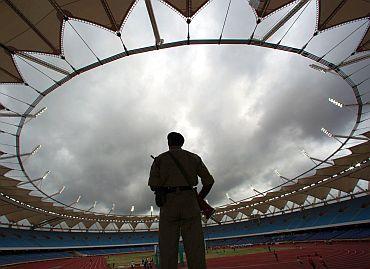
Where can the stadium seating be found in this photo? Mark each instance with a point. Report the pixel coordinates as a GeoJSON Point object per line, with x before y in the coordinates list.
{"type": "Point", "coordinates": [330, 215]}
{"type": "Point", "coordinates": [31, 256]}
{"type": "Point", "coordinates": [345, 220]}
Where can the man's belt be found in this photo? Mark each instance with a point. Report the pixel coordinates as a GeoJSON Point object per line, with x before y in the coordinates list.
{"type": "Point", "coordinates": [177, 189]}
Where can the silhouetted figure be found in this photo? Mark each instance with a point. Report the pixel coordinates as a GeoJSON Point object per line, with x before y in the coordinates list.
{"type": "Point", "coordinates": [299, 261]}
{"type": "Point", "coordinates": [322, 262]}
{"type": "Point", "coordinates": [151, 263]}
{"type": "Point", "coordinates": [173, 176]}
{"type": "Point", "coordinates": [276, 256]}
{"type": "Point", "coordinates": [269, 248]}
{"type": "Point", "coordinates": [311, 262]}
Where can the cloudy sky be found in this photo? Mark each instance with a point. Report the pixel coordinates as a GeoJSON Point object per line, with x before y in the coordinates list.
{"type": "Point", "coordinates": [245, 110]}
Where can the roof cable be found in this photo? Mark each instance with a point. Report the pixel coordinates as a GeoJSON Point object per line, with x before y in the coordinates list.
{"type": "Point", "coordinates": [223, 26]}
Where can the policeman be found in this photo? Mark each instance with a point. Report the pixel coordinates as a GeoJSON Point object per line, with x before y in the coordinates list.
{"type": "Point", "coordinates": [176, 171]}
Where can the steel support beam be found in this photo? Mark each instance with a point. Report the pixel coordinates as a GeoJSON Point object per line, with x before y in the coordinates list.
{"type": "Point", "coordinates": [149, 8]}
{"type": "Point", "coordinates": [355, 60]}
{"type": "Point", "coordinates": [352, 137]}
{"type": "Point", "coordinates": [286, 18]}
{"type": "Point", "coordinates": [43, 63]}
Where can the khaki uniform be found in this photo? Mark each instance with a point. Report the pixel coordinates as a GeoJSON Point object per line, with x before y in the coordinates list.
{"type": "Point", "coordinates": [181, 213]}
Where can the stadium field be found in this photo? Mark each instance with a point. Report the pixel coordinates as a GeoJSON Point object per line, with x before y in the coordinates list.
{"type": "Point", "coordinates": [123, 260]}
{"type": "Point", "coordinates": [338, 255]}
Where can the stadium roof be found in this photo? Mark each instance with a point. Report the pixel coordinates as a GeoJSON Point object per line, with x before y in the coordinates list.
{"type": "Point", "coordinates": [37, 26]}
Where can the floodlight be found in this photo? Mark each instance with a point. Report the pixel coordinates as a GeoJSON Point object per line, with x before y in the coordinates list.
{"type": "Point", "coordinates": [61, 189]}
{"type": "Point", "coordinates": [132, 208]}
{"type": "Point", "coordinates": [78, 199]}
{"type": "Point", "coordinates": [42, 110]}
{"type": "Point", "coordinates": [33, 152]}
{"type": "Point", "coordinates": [54, 194]}
{"type": "Point", "coordinates": [277, 173]}
{"type": "Point", "coordinates": [112, 209]}
{"type": "Point", "coordinates": [329, 134]}
{"type": "Point", "coordinates": [45, 175]}
{"type": "Point", "coordinates": [335, 102]}
{"type": "Point", "coordinates": [93, 206]}
{"type": "Point", "coordinates": [34, 180]}
{"type": "Point", "coordinates": [305, 153]}
{"type": "Point", "coordinates": [227, 196]}
{"type": "Point", "coordinates": [318, 68]}
{"type": "Point", "coordinates": [151, 209]}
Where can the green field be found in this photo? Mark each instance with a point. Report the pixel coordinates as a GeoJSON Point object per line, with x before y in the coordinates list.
{"type": "Point", "coordinates": [124, 260]}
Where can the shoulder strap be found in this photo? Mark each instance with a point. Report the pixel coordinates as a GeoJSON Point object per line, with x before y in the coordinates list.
{"type": "Point", "coordinates": [182, 170]}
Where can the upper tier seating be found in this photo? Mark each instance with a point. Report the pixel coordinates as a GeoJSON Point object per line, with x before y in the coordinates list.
{"type": "Point", "coordinates": [347, 212]}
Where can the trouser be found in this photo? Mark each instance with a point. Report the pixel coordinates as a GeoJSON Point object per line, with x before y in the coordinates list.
{"type": "Point", "coordinates": [181, 215]}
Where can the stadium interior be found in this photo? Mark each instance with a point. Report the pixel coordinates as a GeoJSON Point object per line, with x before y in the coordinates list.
{"type": "Point", "coordinates": [328, 203]}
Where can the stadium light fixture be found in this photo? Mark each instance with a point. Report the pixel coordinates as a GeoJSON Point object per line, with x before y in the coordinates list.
{"type": "Point", "coordinates": [279, 175]}
{"type": "Point", "coordinates": [323, 69]}
{"type": "Point", "coordinates": [132, 210]}
{"type": "Point", "coordinates": [229, 198]}
{"type": "Point", "coordinates": [112, 209]}
{"type": "Point", "coordinates": [341, 105]}
{"type": "Point", "coordinates": [35, 150]}
{"type": "Point", "coordinates": [45, 175]}
{"type": "Point", "coordinates": [13, 114]}
{"type": "Point", "coordinates": [151, 210]}
{"type": "Point", "coordinates": [76, 202]}
{"type": "Point", "coordinates": [34, 180]}
{"type": "Point", "coordinates": [57, 193]}
{"type": "Point", "coordinates": [305, 153]}
{"type": "Point", "coordinates": [61, 190]}
{"type": "Point", "coordinates": [319, 68]}
{"type": "Point", "coordinates": [329, 134]}
{"type": "Point", "coordinates": [336, 103]}
{"type": "Point", "coordinates": [93, 206]}
{"type": "Point", "coordinates": [256, 191]}
{"type": "Point", "coordinates": [314, 160]}
{"type": "Point", "coordinates": [38, 113]}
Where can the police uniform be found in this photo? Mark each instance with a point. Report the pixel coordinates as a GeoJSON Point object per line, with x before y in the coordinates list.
{"type": "Point", "coordinates": [180, 214]}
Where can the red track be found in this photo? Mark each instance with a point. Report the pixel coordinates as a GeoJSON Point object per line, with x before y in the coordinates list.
{"type": "Point", "coordinates": [340, 255]}
{"type": "Point", "coordinates": [94, 262]}
{"type": "Point", "coordinates": [351, 255]}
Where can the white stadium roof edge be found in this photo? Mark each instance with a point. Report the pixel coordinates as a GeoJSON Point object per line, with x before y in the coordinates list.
{"type": "Point", "coordinates": [37, 26]}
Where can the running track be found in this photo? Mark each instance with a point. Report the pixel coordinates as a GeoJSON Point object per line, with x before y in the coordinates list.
{"type": "Point", "coordinates": [340, 255]}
